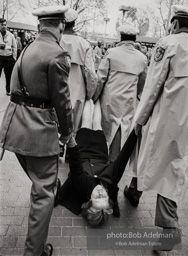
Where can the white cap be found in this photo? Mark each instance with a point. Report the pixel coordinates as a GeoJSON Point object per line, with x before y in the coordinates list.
{"type": "Point", "coordinates": [179, 11]}
{"type": "Point", "coordinates": [128, 29]}
{"type": "Point", "coordinates": [71, 15]}
{"type": "Point", "coordinates": [50, 12]}
{"type": "Point", "coordinates": [125, 8]}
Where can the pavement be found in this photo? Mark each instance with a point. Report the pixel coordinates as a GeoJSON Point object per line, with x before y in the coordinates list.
{"type": "Point", "coordinates": [68, 232]}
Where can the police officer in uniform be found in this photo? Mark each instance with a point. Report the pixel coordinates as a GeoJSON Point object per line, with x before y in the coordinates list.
{"type": "Point", "coordinates": [40, 99]}
{"type": "Point", "coordinates": [162, 117]}
{"type": "Point", "coordinates": [121, 76]}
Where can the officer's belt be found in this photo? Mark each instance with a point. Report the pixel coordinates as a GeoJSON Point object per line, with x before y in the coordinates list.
{"type": "Point", "coordinates": [31, 102]}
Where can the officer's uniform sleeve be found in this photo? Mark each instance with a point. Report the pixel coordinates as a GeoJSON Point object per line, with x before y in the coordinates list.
{"type": "Point", "coordinates": [90, 74]}
{"type": "Point", "coordinates": [102, 73]}
{"type": "Point", "coordinates": [58, 72]}
{"type": "Point", "coordinates": [156, 76]}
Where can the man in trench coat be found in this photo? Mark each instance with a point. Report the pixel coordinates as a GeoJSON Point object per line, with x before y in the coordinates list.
{"type": "Point", "coordinates": [162, 114]}
{"type": "Point", "coordinates": [121, 77]}
{"type": "Point", "coordinates": [40, 96]}
{"type": "Point", "coordinates": [82, 76]}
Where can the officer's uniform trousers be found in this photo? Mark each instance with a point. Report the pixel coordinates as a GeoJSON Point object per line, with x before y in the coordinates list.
{"type": "Point", "coordinates": [42, 172]}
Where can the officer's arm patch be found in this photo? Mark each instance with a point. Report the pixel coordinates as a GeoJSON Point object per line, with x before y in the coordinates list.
{"type": "Point", "coordinates": [159, 53]}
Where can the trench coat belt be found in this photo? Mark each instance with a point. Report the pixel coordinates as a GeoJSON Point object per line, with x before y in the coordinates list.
{"type": "Point", "coordinates": [31, 101]}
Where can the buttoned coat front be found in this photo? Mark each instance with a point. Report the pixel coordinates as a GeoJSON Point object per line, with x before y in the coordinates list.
{"type": "Point", "coordinates": [33, 131]}
{"type": "Point", "coordinates": [163, 155]}
{"type": "Point", "coordinates": [121, 77]}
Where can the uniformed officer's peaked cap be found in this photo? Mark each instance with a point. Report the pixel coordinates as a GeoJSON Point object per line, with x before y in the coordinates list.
{"type": "Point", "coordinates": [71, 15]}
{"type": "Point", "coordinates": [128, 29]}
{"type": "Point", "coordinates": [179, 11]}
{"type": "Point", "coordinates": [50, 12]}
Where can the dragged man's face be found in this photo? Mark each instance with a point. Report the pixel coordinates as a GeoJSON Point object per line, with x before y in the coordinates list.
{"type": "Point", "coordinates": [100, 198]}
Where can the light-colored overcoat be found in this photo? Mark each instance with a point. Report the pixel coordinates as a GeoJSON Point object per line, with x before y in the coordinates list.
{"type": "Point", "coordinates": [121, 77]}
{"type": "Point", "coordinates": [33, 131]}
{"type": "Point", "coordinates": [163, 112]}
{"type": "Point", "coordinates": [82, 76]}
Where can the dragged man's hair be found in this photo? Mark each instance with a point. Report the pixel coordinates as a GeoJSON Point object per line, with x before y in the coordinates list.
{"type": "Point", "coordinates": [96, 218]}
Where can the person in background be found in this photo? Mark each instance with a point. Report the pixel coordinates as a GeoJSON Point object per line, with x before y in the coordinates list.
{"type": "Point", "coordinates": [98, 53]}
{"type": "Point", "coordinates": [92, 183]}
{"type": "Point", "coordinates": [39, 103]}
{"type": "Point", "coordinates": [8, 53]}
{"type": "Point", "coordinates": [137, 46]}
{"type": "Point", "coordinates": [143, 49]}
{"type": "Point", "coordinates": [162, 118]}
{"type": "Point", "coordinates": [149, 54]}
{"type": "Point", "coordinates": [19, 44]}
{"type": "Point", "coordinates": [121, 77]}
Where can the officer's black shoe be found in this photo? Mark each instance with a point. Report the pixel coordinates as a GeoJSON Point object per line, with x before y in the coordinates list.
{"type": "Point", "coordinates": [116, 210]}
{"type": "Point", "coordinates": [57, 197]}
{"type": "Point", "coordinates": [130, 198]}
{"type": "Point", "coordinates": [169, 238]}
{"type": "Point", "coordinates": [48, 250]}
{"type": "Point", "coordinates": [8, 93]}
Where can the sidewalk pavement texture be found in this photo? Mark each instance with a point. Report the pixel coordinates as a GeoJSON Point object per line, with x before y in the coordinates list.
{"type": "Point", "coordinates": [67, 231]}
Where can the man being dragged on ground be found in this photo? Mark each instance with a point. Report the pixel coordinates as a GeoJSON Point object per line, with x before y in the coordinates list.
{"type": "Point", "coordinates": [92, 184]}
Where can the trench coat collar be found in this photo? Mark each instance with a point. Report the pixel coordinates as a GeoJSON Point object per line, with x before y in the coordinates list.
{"type": "Point", "coordinates": [126, 43]}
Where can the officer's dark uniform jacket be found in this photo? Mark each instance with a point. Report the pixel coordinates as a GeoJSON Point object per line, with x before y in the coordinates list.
{"type": "Point", "coordinates": [31, 130]}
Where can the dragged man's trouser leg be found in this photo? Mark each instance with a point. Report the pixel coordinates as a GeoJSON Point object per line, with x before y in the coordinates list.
{"type": "Point", "coordinates": [116, 169]}
{"type": "Point", "coordinates": [115, 146]}
{"type": "Point", "coordinates": [166, 213]}
{"type": "Point", "coordinates": [42, 171]}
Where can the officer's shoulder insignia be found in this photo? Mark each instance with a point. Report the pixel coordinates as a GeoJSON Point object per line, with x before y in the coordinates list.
{"type": "Point", "coordinates": [159, 53]}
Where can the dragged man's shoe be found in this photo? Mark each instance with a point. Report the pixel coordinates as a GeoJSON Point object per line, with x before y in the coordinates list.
{"type": "Point", "coordinates": [8, 93]}
{"type": "Point", "coordinates": [169, 238]}
{"type": "Point", "coordinates": [48, 250]}
{"type": "Point", "coordinates": [57, 197]}
{"type": "Point", "coordinates": [130, 198]}
{"type": "Point", "coordinates": [116, 210]}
